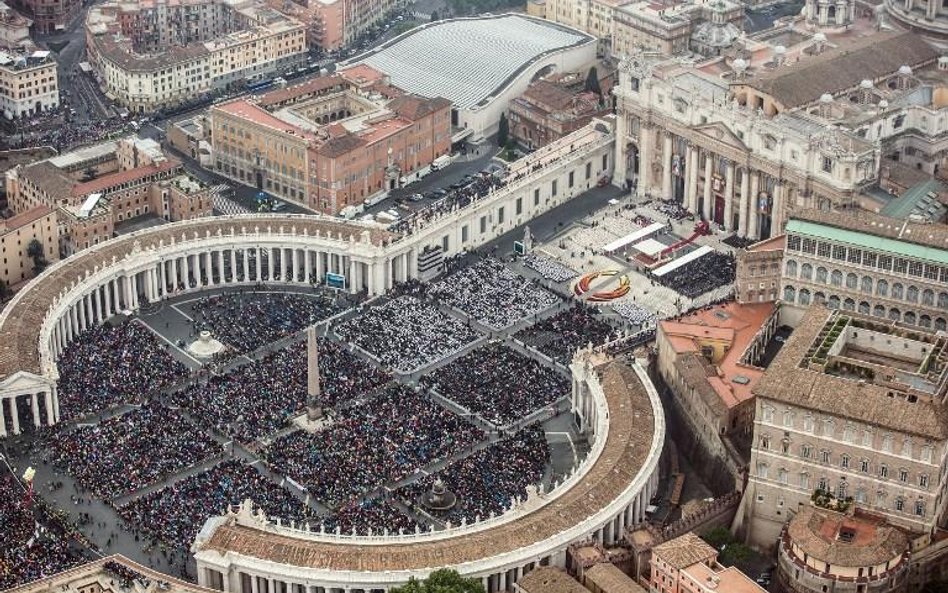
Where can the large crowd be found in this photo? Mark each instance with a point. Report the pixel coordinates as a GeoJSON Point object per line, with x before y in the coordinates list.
{"type": "Point", "coordinates": [30, 550]}
{"type": "Point", "coordinates": [406, 333]}
{"type": "Point", "coordinates": [376, 517]}
{"type": "Point", "coordinates": [549, 268]}
{"type": "Point", "coordinates": [498, 384]}
{"type": "Point", "coordinates": [107, 366]}
{"type": "Point", "coordinates": [492, 294]}
{"type": "Point", "coordinates": [561, 335]}
{"type": "Point", "coordinates": [474, 188]}
{"type": "Point", "coordinates": [634, 314]}
{"type": "Point", "coordinates": [248, 320]}
{"type": "Point", "coordinates": [175, 513]}
{"type": "Point", "coordinates": [702, 275]}
{"type": "Point", "coordinates": [383, 440]}
{"type": "Point", "coordinates": [488, 481]}
{"type": "Point", "coordinates": [130, 451]}
{"type": "Point", "coordinates": [256, 399]}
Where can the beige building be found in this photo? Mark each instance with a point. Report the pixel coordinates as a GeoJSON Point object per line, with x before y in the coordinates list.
{"type": "Point", "coordinates": [672, 28]}
{"type": "Point", "coordinates": [28, 84]}
{"type": "Point", "coordinates": [851, 412]}
{"type": "Point", "coordinates": [148, 54]}
{"type": "Point", "coordinates": [95, 189]}
{"type": "Point", "coordinates": [16, 234]}
{"type": "Point", "coordinates": [14, 28]}
{"type": "Point", "coordinates": [758, 272]}
{"type": "Point", "coordinates": [687, 564]}
{"type": "Point", "coordinates": [799, 120]}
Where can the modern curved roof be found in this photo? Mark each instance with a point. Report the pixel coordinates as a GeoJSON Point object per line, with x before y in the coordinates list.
{"type": "Point", "coordinates": [467, 60]}
{"type": "Point", "coordinates": [632, 430]}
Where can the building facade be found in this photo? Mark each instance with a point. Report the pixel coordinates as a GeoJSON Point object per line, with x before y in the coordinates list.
{"type": "Point", "coordinates": [326, 144]}
{"type": "Point", "coordinates": [687, 564]}
{"type": "Point", "coordinates": [548, 111]}
{"type": "Point", "coordinates": [149, 54]}
{"type": "Point", "coordinates": [50, 16]}
{"type": "Point", "coordinates": [676, 27]}
{"type": "Point", "coordinates": [16, 236]}
{"type": "Point", "coordinates": [850, 413]}
{"type": "Point", "coordinates": [29, 84]}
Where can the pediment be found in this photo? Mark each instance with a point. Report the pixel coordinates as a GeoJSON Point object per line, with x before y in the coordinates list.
{"type": "Point", "coordinates": [23, 381]}
{"type": "Point", "coordinates": [722, 133]}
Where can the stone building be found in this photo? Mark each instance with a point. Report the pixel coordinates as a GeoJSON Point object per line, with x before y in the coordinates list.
{"type": "Point", "coordinates": [759, 267]}
{"type": "Point", "coordinates": [741, 140]}
{"type": "Point", "coordinates": [672, 28]}
{"type": "Point", "coordinates": [547, 111]}
{"type": "Point", "coordinates": [93, 189]}
{"type": "Point", "coordinates": [29, 84]}
{"type": "Point", "coordinates": [851, 411]}
{"type": "Point", "coordinates": [16, 233]}
{"type": "Point", "coordinates": [687, 564]}
{"type": "Point", "coordinates": [330, 143]}
{"type": "Point", "coordinates": [50, 16]}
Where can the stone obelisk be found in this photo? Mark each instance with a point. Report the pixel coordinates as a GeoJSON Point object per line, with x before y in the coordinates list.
{"type": "Point", "coordinates": [313, 409]}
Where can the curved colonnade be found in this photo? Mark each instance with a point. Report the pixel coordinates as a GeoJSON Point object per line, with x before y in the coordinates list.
{"type": "Point", "coordinates": [616, 406]}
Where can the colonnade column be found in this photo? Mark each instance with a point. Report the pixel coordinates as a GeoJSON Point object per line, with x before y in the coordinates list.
{"type": "Point", "coordinates": [50, 411]}
{"type": "Point", "coordinates": [729, 196]}
{"type": "Point", "coordinates": [708, 167]}
{"type": "Point", "coordinates": [666, 167]}
{"type": "Point", "coordinates": [258, 265]}
{"type": "Point", "coordinates": [777, 211]}
{"type": "Point", "coordinates": [752, 213]}
{"type": "Point", "coordinates": [352, 276]}
{"type": "Point", "coordinates": [270, 264]}
{"type": "Point", "coordinates": [745, 199]}
{"type": "Point", "coordinates": [646, 146]}
{"type": "Point", "coordinates": [295, 277]}
{"type": "Point", "coordinates": [320, 274]}
{"type": "Point", "coordinates": [186, 270]}
{"type": "Point", "coordinates": [220, 267]}
{"type": "Point", "coordinates": [15, 413]}
{"type": "Point", "coordinates": [692, 171]}
{"type": "Point", "coordinates": [246, 265]}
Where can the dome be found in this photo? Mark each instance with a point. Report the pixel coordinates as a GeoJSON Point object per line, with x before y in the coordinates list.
{"type": "Point", "coordinates": [865, 84]}
{"type": "Point", "coordinates": [826, 98]}
{"type": "Point", "coordinates": [883, 104]}
{"type": "Point", "coordinates": [905, 70]}
{"type": "Point", "coordinates": [819, 37]}
{"type": "Point", "coordinates": [740, 64]}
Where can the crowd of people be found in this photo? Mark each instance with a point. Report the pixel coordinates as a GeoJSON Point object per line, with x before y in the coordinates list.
{"type": "Point", "coordinates": [474, 188]}
{"type": "Point", "coordinates": [383, 440]}
{"type": "Point", "coordinates": [561, 335]}
{"type": "Point", "coordinates": [549, 268]}
{"type": "Point", "coordinates": [498, 384]}
{"type": "Point", "coordinates": [375, 516]}
{"type": "Point", "coordinates": [492, 294]}
{"type": "Point", "coordinates": [406, 333]}
{"type": "Point", "coordinates": [248, 320]}
{"type": "Point", "coordinates": [110, 365]}
{"type": "Point", "coordinates": [702, 275]}
{"type": "Point", "coordinates": [633, 313]}
{"type": "Point", "coordinates": [488, 481]}
{"type": "Point", "coordinates": [256, 399]}
{"type": "Point", "coordinates": [175, 513]}
{"type": "Point", "coordinates": [30, 550]}
{"type": "Point", "coordinates": [127, 452]}
{"type": "Point", "coordinates": [670, 208]}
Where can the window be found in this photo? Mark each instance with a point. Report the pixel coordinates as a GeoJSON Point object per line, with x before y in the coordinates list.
{"type": "Point", "coordinates": [789, 294]}
{"type": "Point", "coordinates": [806, 271]}
{"type": "Point", "coordinates": [899, 504]}
{"type": "Point", "coordinates": [844, 461]}
{"type": "Point", "coordinates": [927, 453]}
{"type": "Point", "coordinates": [765, 442]}
{"type": "Point", "coordinates": [839, 253]}
{"type": "Point", "coordinates": [907, 448]}
{"type": "Point", "coordinates": [788, 419]}
{"type": "Point", "coordinates": [919, 508]}
{"type": "Point", "coordinates": [805, 481]}
{"type": "Point", "coordinates": [821, 274]}
{"type": "Point", "coordinates": [791, 268]}
{"type": "Point", "coordinates": [866, 285]}
{"type": "Point", "coordinates": [884, 471]}
{"type": "Point", "coordinates": [804, 297]}
{"type": "Point", "coordinates": [808, 423]}
{"type": "Point", "coordinates": [851, 280]}
{"type": "Point", "coordinates": [782, 475]}
{"type": "Point", "coordinates": [923, 481]}
{"type": "Point", "coordinates": [825, 456]}
{"type": "Point", "coordinates": [882, 288]}
{"type": "Point", "coordinates": [827, 164]}
{"type": "Point", "coordinates": [864, 466]}
{"type": "Point", "coordinates": [553, 188]}
{"type": "Point", "coordinates": [762, 471]}
{"type": "Point", "coordinates": [768, 414]}
{"type": "Point", "coordinates": [836, 278]}
{"type": "Point", "coordinates": [887, 443]}
{"type": "Point", "coordinates": [806, 451]}
{"type": "Point", "coordinates": [903, 475]}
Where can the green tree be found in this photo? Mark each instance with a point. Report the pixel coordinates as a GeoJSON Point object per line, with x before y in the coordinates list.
{"type": "Point", "coordinates": [35, 251]}
{"type": "Point", "coordinates": [4, 290]}
{"type": "Point", "coordinates": [592, 83]}
{"type": "Point", "coordinates": [735, 554]}
{"type": "Point", "coordinates": [442, 581]}
{"type": "Point", "coordinates": [434, 16]}
{"type": "Point", "coordinates": [717, 537]}
{"type": "Point", "coordinates": [503, 131]}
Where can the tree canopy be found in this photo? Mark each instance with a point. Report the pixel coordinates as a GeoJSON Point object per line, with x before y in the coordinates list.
{"type": "Point", "coordinates": [442, 581]}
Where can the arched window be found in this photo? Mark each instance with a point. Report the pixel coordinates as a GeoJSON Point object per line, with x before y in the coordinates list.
{"type": "Point", "coordinates": [849, 305]}
{"type": "Point", "coordinates": [836, 278]}
{"type": "Point", "coordinates": [833, 302]}
{"type": "Point", "coordinates": [928, 297]}
{"type": "Point", "coordinates": [806, 271]}
{"type": "Point", "coordinates": [866, 285]}
{"type": "Point", "coordinates": [941, 324]}
{"type": "Point", "coordinates": [768, 414]}
{"type": "Point", "coordinates": [943, 300]}
{"type": "Point", "coordinates": [909, 318]}
{"type": "Point", "coordinates": [819, 298]}
{"type": "Point", "coordinates": [897, 291]}
{"type": "Point", "coordinates": [762, 471]}
{"type": "Point", "coordinates": [851, 280]}
{"type": "Point", "coordinates": [864, 307]}
{"type": "Point", "coordinates": [878, 311]}
{"type": "Point", "coordinates": [782, 475]}
{"type": "Point", "coordinates": [900, 504]}
{"type": "Point", "coordinates": [895, 314]}
{"type": "Point", "coordinates": [821, 274]}
{"type": "Point", "coordinates": [791, 268]}
{"type": "Point", "coordinates": [882, 288]}
{"type": "Point", "coordinates": [911, 295]}
{"type": "Point", "coordinates": [789, 294]}
{"type": "Point", "coordinates": [788, 419]}
{"type": "Point", "coordinates": [804, 296]}
{"type": "Point", "coordinates": [842, 490]}
{"type": "Point", "coordinates": [925, 321]}
{"type": "Point", "coordinates": [920, 508]}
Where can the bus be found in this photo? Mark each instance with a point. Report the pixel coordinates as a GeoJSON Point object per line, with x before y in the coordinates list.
{"type": "Point", "coordinates": [256, 86]}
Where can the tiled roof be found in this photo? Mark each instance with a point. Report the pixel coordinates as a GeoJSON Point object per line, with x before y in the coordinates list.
{"type": "Point", "coordinates": [314, 85]}
{"type": "Point", "coordinates": [340, 145]}
{"type": "Point", "coordinates": [607, 578]}
{"type": "Point", "coordinates": [549, 579]}
{"type": "Point", "coordinates": [874, 542]}
{"type": "Point", "coordinates": [835, 71]}
{"type": "Point", "coordinates": [24, 218]}
{"type": "Point", "coordinates": [414, 107]}
{"type": "Point", "coordinates": [684, 551]}
{"type": "Point", "coordinates": [626, 448]}
{"type": "Point", "coordinates": [113, 179]}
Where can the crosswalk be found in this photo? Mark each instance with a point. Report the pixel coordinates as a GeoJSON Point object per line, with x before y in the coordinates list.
{"type": "Point", "coordinates": [223, 204]}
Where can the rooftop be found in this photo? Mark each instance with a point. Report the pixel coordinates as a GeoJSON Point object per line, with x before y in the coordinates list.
{"type": "Point", "coordinates": [810, 387]}
{"type": "Point", "coordinates": [684, 551]}
{"type": "Point", "coordinates": [468, 60]}
{"type": "Point", "coordinates": [918, 240]}
{"type": "Point", "coordinates": [627, 447]}
{"type": "Point", "coordinates": [549, 579]}
{"type": "Point", "coordinates": [607, 578]}
{"type": "Point", "coordinates": [859, 540]}
{"type": "Point", "coordinates": [24, 218]}
{"type": "Point", "coordinates": [729, 579]}
{"type": "Point", "coordinates": [103, 570]}
{"type": "Point", "coordinates": [778, 243]}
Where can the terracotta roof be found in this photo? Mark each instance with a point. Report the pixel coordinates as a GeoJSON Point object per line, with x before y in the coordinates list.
{"type": "Point", "coordinates": [549, 579]}
{"type": "Point", "coordinates": [874, 541]}
{"type": "Point", "coordinates": [695, 371]}
{"type": "Point", "coordinates": [113, 179]}
{"type": "Point", "coordinates": [314, 85]}
{"type": "Point", "coordinates": [414, 107]}
{"type": "Point", "coordinates": [626, 449]}
{"type": "Point", "coordinates": [785, 381]}
{"type": "Point", "coordinates": [920, 233]}
{"type": "Point", "coordinates": [778, 243]}
{"type": "Point", "coordinates": [607, 578]}
{"type": "Point", "coordinates": [550, 95]}
{"type": "Point", "coordinates": [19, 328]}
{"type": "Point", "coordinates": [24, 218]}
{"type": "Point", "coordinates": [340, 145]}
{"type": "Point", "coordinates": [834, 71]}
{"type": "Point", "coordinates": [49, 178]}
{"type": "Point", "coordinates": [684, 551]}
